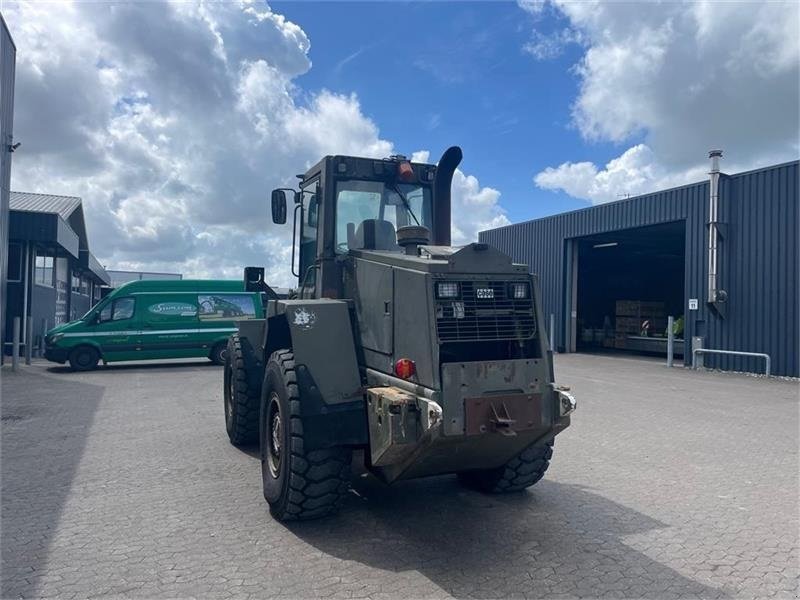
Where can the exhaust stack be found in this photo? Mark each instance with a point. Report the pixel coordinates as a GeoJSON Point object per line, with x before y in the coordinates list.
{"type": "Point", "coordinates": [716, 296]}
{"type": "Point", "coordinates": [441, 195]}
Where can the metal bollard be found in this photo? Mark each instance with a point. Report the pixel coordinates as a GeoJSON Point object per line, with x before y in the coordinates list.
{"type": "Point", "coordinates": [670, 339]}
{"type": "Point", "coordinates": [41, 338]}
{"type": "Point", "coordinates": [15, 346]}
{"type": "Point", "coordinates": [28, 339]}
{"type": "Point", "coordinates": [552, 332]}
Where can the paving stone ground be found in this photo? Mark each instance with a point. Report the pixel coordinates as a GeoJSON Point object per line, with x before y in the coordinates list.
{"type": "Point", "coordinates": [669, 484]}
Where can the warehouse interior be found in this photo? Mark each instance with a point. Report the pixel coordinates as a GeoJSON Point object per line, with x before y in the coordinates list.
{"type": "Point", "coordinates": [627, 283]}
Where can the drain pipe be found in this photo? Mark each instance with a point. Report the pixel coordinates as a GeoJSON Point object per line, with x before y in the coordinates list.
{"type": "Point", "coordinates": [715, 295]}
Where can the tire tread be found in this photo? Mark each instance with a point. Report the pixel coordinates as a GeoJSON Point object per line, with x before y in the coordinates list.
{"type": "Point", "coordinates": [318, 480]}
{"type": "Point", "coordinates": [519, 473]}
{"type": "Point", "coordinates": [247, 400]}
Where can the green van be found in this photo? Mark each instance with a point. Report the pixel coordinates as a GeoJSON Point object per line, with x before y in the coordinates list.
{"type": "Point", "coordinates": [152, 319]}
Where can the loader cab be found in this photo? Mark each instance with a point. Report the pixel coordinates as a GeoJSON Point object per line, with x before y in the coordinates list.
{"type": "Point", "coordinates": [347, 203]}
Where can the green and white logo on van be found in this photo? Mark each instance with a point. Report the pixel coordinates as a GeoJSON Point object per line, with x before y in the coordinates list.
{"type": "Point", "coordinates": [181, 309]}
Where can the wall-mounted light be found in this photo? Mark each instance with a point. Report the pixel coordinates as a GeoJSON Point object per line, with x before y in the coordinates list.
{"type": "Point", "coordinates": [607, 245]}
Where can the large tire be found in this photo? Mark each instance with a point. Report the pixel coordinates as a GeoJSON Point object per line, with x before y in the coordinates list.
{"type": "Point", "coordinates": [298, 484]}
{"type": "Point", "coordinates": [519, 473]}
{"type": "Point", "coordinates": [83, 358]}
{"type": "Point", "coordinates": [241, 393]}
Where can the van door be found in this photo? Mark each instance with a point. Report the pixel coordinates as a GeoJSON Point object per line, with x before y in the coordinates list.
{"type": "Point", "coordinates": [169, 326]}
{"type": "Point", "coordinates": [116, 329]}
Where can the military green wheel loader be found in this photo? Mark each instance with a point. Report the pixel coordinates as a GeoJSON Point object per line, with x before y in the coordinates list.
{"type": "Point", "coordinates": [430, 358]}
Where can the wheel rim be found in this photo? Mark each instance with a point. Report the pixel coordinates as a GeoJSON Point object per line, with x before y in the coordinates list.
{"type": "Point", "coordinates": [274, 436]}
{"type": "Point", "coordinates": [84, 358]}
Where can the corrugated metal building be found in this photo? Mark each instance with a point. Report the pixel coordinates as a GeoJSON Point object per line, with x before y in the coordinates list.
{"type": "Point", "coordinates": [610, 274]}
{"type": "Point", "coordinates": [8, 57]}
{"type": "Point", "coordinates": [52, 275]}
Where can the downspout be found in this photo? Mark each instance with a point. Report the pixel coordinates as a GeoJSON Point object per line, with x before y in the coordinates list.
{"type": "Point", "coordinates": [27, 277]}
{"type": "Point", "coordinates": [716, 296]}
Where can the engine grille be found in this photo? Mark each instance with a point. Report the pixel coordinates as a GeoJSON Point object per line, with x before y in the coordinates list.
{"type": "Point", "coordinates": [485, 319]}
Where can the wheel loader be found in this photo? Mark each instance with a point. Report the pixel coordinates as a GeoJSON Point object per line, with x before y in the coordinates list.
{"type": "Point", "coordinates": [425, 357]}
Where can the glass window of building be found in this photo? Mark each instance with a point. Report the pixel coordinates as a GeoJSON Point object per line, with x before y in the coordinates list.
{"type": "Point", "coordinates": [43, 273]}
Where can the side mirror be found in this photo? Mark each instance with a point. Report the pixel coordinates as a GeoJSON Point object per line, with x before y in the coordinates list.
{"type": "Point", "coordinates": [279, 207]}
{"type": "Point", "coordinates": [253, 279]}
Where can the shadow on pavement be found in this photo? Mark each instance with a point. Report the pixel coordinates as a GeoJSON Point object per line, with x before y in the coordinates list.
{"type": "Point", "coordinates": [45, 425]}
{"type": "Point", "coordinates": [556, 539]}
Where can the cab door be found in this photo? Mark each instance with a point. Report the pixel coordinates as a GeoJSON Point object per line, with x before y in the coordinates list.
{"type": "Point", "coordinates": [116, 329]}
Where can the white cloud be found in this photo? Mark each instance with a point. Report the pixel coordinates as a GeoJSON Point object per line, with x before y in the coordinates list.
{"type": "Point", "coordinates": [173, 121]}
{"type": "Point", "coordinates": [546, 46]}
{"type": "Point", "coordinates": [636, 171]}
{"type": "Point", "coordinates": [683, 78]}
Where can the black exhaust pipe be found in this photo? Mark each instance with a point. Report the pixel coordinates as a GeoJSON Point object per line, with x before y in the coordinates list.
{"type": "Point", "coordinates": [441, 194]}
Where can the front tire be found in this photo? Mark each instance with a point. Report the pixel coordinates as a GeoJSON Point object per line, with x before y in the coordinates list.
{"type": "Point", "coordinates": [83, 358]}
{"type": "Point", "coordinates": [241, 394]}
{"type": "Point", "coordinates": [519, 473]}
{"type": "Point", "coordinates": [298, 484]}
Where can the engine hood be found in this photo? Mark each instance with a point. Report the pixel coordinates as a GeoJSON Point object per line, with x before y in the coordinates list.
{"type": "Point", "coordinates": [472, 258]}
{"type": "Point", "coordinates": [64, 327]}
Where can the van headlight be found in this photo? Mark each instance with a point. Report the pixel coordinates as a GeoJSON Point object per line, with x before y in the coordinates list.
{"type": "Point", "coordinates": [54, 338]}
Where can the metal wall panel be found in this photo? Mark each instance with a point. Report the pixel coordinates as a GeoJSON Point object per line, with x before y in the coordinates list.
{"type": "Point", "coordinates": [8, 57]}
{"type": "Point", "coordinates": [758, 260]}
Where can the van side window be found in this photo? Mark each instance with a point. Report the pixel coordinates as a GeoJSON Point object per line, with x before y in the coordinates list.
{"type": "Point", "coordinates": [118, 310]}
{"type": "Point", "coordinates": [226, 307]}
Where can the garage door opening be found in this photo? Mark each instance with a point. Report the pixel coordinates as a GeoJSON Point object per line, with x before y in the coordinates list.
{"type": "Point", "coordinates": [628, 282]}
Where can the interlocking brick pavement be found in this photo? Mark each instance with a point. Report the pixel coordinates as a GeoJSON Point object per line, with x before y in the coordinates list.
{"type": "Point", "coordinates": [669, 484]}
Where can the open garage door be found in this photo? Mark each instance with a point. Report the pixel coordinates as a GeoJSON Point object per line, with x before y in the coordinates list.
{"type": "Point", "coordinates": [627, 283]}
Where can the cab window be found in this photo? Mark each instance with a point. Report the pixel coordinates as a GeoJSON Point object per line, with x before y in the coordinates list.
{"type": "Point", "coordinates": [118, 310]}
{"type": "Point", "coordinates": [308, 234]}
{"type": "Point", "coordinates": [390, 205]}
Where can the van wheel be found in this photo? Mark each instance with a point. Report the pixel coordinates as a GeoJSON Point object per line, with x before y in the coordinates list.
{"type": "Point", "coordinates": [218, 353]}
{"type": "Point", "coordinates": [242, 394]}
{"type": "Point", "coordinates": [83, 358]}
{"type": "Point", "coordinates": [298, 484]}
{"type": "Point", "coordinates": [519, 473]}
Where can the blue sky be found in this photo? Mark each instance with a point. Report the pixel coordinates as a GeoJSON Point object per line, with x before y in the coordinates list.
{"type": "Point", "coordinates": [174, 120]}
{"type": "Point", "coordinates": [437, 74]}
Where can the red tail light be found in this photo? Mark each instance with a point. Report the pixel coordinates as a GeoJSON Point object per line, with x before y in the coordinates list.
{"type": "Point", "coordinates": [405, 368]}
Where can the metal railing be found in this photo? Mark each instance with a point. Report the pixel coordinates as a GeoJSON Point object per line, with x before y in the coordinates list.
{"type": "Point", "coordinates": [766, 357]}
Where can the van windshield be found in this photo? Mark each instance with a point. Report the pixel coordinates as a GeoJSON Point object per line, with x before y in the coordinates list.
{"type": "Point", "coordinates": [95, 309]}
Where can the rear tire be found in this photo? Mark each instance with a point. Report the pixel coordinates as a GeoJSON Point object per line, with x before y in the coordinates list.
{"type": "Point", "coordinates": [242, 396]}
{"type": "Point", "coordinates": [519, 473]}
{"type": "Point", "coordinates": [298, 484]}
{"type": "Point", "coordinates": [218, 353]}
{"type": "Point", "coordinates": [83, 358]}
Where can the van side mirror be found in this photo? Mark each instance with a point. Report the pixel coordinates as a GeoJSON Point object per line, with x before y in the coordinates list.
{"type": "Point", "coordinates": [253, 279]}
{"type": "Point", "coordinates": [279, 207]}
